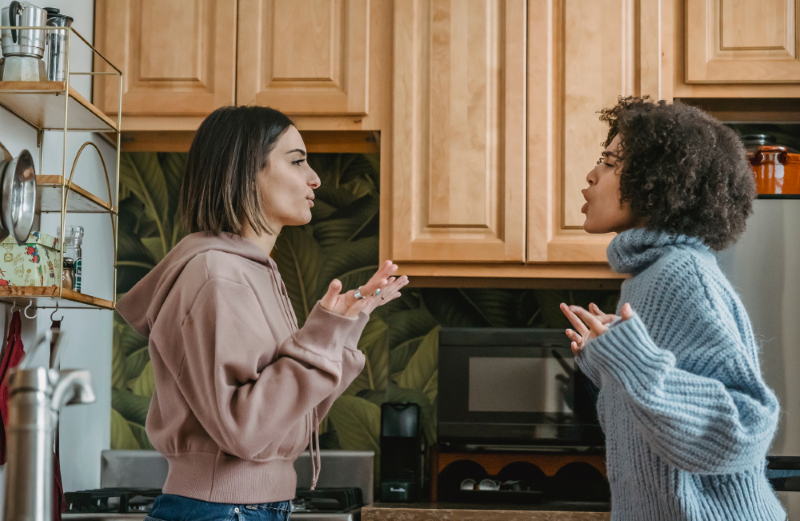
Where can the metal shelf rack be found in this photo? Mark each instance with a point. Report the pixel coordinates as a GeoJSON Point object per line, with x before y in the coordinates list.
{"type": "Point", "coordinates": [57, 106]}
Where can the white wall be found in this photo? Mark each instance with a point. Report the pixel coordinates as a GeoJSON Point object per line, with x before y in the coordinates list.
{"type": "Point", "coordinates": [85, 430]}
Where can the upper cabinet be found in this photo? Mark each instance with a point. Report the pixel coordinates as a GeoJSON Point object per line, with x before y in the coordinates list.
{"type": "Point", "coordinates": [326, 63]}
{"type": "Point", "coordinates": [485, 111]}
{"type": "Point", "coordinates": [741, 41]}
{"type": "Point", "coordinates": [496, 126]}
{"type": "Point", "coordinates": [178, 56]}
{"type": "Point", "coordinates": [736, 49]}
{"type": "Point", "coordinates": [458, 171]}
{"type": "Point", "coordinates": [576, 67]}
{"type": "Point", "coordinates": [304, 57]}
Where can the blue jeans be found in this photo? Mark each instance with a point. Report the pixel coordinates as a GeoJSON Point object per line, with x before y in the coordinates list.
{"type": "Point", "coordinates": [168, 507]}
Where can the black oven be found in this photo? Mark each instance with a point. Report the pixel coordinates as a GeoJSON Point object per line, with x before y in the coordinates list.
{"type": "Point", "coordinates": [513, 388]}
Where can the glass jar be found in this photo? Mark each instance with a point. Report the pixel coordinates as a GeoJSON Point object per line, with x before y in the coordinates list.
{"type": "Point", "coordinates": [73, 239]}
{"type": "Point", "coordinates": [68, 273]}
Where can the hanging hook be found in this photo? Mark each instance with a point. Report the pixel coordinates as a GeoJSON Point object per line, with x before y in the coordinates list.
{"type": "Point", "coordinates": [53, 314]}
{"type": "Point", "coordinates": [26, 311]}
{"type": "Point", "coordinates": [14, 306]}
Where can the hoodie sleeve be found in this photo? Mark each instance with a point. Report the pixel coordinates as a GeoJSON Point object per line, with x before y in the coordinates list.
{"type": "Point", "coordinates": [352, 363]}
{"type": "Point", "coordinates": [243, 409]}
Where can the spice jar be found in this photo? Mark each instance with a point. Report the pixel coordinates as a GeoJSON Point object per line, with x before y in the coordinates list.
{"type": "Point", "coordinates": [68, 273]}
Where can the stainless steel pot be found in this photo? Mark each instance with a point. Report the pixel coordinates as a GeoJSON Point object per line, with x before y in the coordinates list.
{"type": "Point", "coordinates": [23, 42]}
{"type": "Point", "coordinates": [17, 197]}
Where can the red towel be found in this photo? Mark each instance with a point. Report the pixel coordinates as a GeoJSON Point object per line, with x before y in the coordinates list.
{"type": "Point", "coordinates": [12, 356]}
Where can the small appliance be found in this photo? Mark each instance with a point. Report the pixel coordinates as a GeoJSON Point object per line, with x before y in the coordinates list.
{"type": "Point", "coordinates": [311, 505]}
{"type": "Point", "coordinates": [23, 49]}
{"type": "Point", "coordinates": [517, 420]}
{"type": "Point", "coordinates": [401, 452]}
{"type": "Point", "coordinates": [509, 388]}
{"type": "Point", "coordinates": [132, 479]}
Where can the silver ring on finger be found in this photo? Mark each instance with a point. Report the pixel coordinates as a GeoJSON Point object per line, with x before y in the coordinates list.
{"type": "Point", "coordinates": [357, 294]}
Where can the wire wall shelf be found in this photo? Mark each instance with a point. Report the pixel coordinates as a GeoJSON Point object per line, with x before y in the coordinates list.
{"type": "Point", "coordinates": [57, 106]}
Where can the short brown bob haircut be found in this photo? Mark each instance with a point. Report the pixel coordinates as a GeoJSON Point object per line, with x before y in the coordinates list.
{"type": "Point", "coordinates": [220, 187]}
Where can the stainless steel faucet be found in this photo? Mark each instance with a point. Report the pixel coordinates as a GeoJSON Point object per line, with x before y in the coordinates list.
{"type": "Point", "coordinates": [37, 395]}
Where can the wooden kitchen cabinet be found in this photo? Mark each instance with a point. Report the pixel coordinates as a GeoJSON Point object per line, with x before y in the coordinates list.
{"type": "Point", "coordinates": [304, 57]}
{"type": "Point", "coordinates": [178, 58]}
{"type": "Point", "coordinates": [736, 49]}
{"type": "Point", "coordinates": [458, 173]}
{"type": "Point", "coordinates": [326, 63]}
{"type": "Point", "coordinates": [742, 41]}
{"type": "Point", "coordinates": [477, 191]}
{"type": "Point", "coordinates": [576, 67]}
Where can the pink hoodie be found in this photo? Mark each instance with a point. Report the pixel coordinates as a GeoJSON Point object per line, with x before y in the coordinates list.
{"type": "Point", "coordinates": [239, 389]}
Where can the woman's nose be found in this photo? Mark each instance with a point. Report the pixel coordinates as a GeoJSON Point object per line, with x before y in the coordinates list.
{"type": "Point", "coordinates": [591, 177]}
{"type": "Point", "coordinates": [315, 181]}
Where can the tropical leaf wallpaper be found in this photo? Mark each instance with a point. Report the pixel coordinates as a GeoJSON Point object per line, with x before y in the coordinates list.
{"type": "Point", "coordinates": [401, 339]}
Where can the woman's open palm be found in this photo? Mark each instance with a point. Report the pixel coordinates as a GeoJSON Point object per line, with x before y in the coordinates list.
{"type": "Point", "coordinates": [348, 305]}
{"type": "Point", "coordinates": [590, 325]}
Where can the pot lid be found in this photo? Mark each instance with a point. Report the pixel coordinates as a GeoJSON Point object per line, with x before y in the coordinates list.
{"type": "Point", "coordinates": [18, 199]}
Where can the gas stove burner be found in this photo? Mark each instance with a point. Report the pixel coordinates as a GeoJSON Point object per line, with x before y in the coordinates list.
{"type": "Point", "coordinates": [112, 500]}
{"type": "Point", "coordinates": [327, 500]}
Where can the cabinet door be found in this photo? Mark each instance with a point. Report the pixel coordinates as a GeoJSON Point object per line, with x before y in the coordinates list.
{"type": "Point", "coordinates": [577, 66]}
{"type": "Point", "coordinates": [304, 57]}
{"type": "Point", "coordinates": [458, 172]}
{"type": "Point", "coordinates": [741, 41]}
{"type": "Point", "coordinates": [177, 56]}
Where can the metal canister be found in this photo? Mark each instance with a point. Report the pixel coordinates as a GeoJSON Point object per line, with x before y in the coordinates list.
{"type": "Point", "coordinates": [23, 42]}
{"type": "Point", "coordinates": [57, 44]}
{"type": "Point", "coordinates": [37, 395]}
{"type": "Point", "coordinates": [29, 494]}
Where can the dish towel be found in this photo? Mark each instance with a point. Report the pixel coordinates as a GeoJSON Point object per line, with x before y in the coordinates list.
{"type": "Point", "coordinates": [12, 356]}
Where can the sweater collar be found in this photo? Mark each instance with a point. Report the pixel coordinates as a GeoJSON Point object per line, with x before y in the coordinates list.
{"type": "Point", "coordinates": [633, 251]}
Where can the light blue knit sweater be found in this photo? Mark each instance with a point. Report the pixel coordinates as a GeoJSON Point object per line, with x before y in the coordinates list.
{"type": "Point", "coordinates": [687, 416]}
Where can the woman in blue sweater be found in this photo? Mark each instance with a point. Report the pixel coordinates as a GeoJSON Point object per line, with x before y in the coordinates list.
{"type": "Point", "coordinates": [687, 416]}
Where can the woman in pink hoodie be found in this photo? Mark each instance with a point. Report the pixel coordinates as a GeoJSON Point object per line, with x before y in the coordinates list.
{"type": "Point", "coordinates": [239, 388]}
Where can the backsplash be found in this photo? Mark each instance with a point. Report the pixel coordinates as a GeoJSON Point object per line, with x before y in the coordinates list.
{"type": "Point", "coordinates": [401, 339]}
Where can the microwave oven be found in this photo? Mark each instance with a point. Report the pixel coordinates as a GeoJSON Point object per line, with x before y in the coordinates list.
{"type": "Point", "coordinates": [513, 388]}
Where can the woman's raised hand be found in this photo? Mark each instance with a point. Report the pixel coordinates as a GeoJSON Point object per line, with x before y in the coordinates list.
{"type": "Point", "coordinates": [348, 305]}
{"type": "Point", "coordinates": [590, 325]}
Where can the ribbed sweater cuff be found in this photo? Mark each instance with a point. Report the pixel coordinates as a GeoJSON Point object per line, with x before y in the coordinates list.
{"type": "Point", "coordinates": [587, 368]}
{"type": "Point", "coordinates": [627, 353]}
{"type": "Point", "coordinates": [351, 342]}
{"type": "Point", "coordinates": [325, 330]}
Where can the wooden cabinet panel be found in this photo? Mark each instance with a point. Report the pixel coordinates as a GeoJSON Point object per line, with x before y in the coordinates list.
{"type": "Point", "coordinates": [304, 57]}
{"type": "Point", "coordinates": [581, 67]}
{"type": "Point", "coordinates": [741, 41]}
{"type": "Point", "coordinates": [177, 56]}
{"type": "Point", "coordinates": [458, 173]}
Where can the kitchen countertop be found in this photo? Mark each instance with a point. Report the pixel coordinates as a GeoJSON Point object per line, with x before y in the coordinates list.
{"type": "Point", "coordinates": [562, 511]}
{"type": "Point", "coordinates": [103, 517]}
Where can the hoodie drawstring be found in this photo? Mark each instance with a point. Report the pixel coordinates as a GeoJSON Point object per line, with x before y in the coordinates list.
{"type": "Point", "coordinates": [313, 419]}
{"type": "Point", "coordinates": [319, 457]}
{"type": "Point", "coordinates": [313, 434]}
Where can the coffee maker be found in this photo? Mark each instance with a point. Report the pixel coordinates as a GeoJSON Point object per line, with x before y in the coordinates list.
{"type": "Point", "coordinates": [23, 49]}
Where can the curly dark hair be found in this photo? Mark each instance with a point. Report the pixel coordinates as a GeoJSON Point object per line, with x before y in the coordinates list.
{"type": "Point", "coordinates": [683, 171]}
